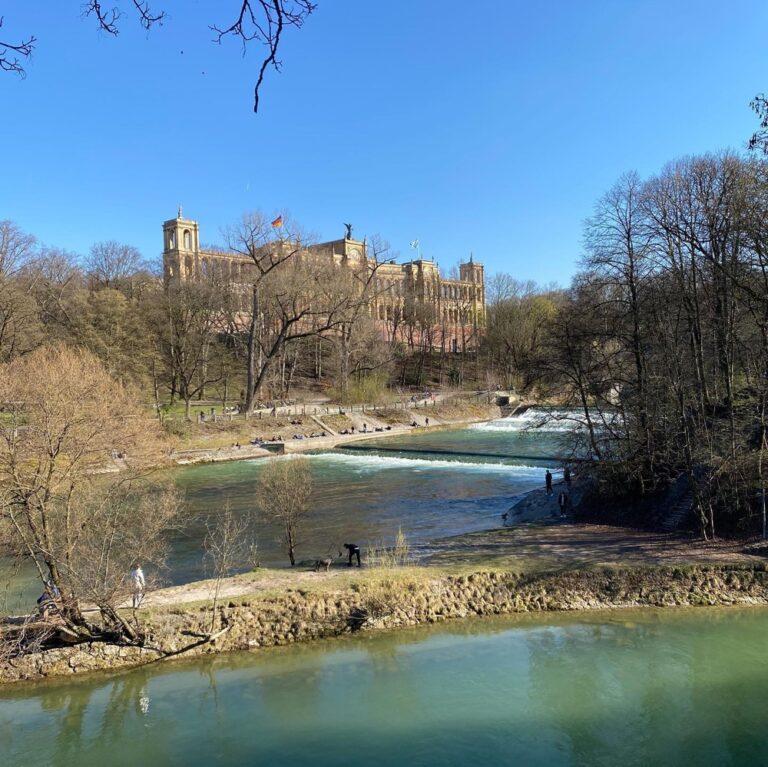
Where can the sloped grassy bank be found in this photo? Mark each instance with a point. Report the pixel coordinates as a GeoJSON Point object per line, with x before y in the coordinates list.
{"type": "Point", "coordinates": [387, 600]}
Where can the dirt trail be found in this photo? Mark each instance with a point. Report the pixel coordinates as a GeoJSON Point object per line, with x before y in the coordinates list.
{"type": "Point", "coordinates": [532, 547]}
{"type": "Point", "coordinates": [250, 583]}
{"type": "Point", "coordinates": [560, 544]}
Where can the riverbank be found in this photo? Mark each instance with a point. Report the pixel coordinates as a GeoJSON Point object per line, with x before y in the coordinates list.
{"type": "Point", "coordinates": [340, 428]}
{"type": "Point", "coordinates": [305, 606]}
{"type": "Point", "coordinates": [546, 563]}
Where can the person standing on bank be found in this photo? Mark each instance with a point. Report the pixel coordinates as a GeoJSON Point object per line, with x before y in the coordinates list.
{"type": "Point", "coordinates": [548, 481]}
{"type": "Point", "coordinates": [354, 551]}
{"type": "Point", "coordinates": [138, 582]}
{"type": "Point", "coordinates": [562, 502]}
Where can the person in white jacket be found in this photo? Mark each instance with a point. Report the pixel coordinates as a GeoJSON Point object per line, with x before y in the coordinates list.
{"type": "Point", "coordinates": [138, 582]}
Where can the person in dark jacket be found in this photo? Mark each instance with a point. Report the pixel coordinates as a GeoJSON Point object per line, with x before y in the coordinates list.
{"type": "Point", "coordinates": [354, 551]}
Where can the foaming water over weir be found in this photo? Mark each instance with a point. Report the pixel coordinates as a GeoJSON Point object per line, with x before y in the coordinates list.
{"type": "Point", "coordinates": [436, 451]}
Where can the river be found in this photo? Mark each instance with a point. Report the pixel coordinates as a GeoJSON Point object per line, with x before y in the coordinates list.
{"type": "Point", "coordinates": [431, 484]}
{"type": "Point", "coordinates": [611, 688]}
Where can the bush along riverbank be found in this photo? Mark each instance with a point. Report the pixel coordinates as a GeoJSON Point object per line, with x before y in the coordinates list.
{"type": "Point", "coordinates": [395, 599]}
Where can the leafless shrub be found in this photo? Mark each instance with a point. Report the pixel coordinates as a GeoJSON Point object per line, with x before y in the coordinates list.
{"type": "Point", "coordinates": [228, 545]}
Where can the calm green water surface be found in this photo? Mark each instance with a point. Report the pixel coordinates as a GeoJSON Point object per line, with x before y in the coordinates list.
{"type": "Point", "coordinates": [639, 688]}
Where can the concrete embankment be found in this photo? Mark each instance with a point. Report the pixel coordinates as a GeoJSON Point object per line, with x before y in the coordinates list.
{"type": "Point", "coordinates": [396, 599]}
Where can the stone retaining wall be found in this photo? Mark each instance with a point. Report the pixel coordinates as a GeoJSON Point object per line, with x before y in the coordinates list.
{"type": "Point", "coordinates": [299, 616]}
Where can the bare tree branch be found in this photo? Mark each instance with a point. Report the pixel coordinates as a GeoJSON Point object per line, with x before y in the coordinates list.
{"type": "Point", "coordinates": [262, 21]}
{"type": "Point", "coordinates": [9, 62]}
{"type": "Point", "coordinates": [265, 27]}
{"type": "Point", "coordinates": [759, 139]}
{"type": "Point", "coordinates": [107, 18]}
{"type": "Point", "coordinates": [146, 18]}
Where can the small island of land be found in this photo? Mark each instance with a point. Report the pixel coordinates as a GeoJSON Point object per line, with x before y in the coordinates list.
{"type": "Point", "coordinates": [542, 565]}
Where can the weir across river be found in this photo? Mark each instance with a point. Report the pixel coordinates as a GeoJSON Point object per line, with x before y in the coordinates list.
{"type": "Point", "coordinates": [436, 451]}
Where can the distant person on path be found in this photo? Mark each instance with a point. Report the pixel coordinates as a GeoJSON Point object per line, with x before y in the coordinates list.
{"type": "Point", "coordinates": [567, 476]}
{"type": "Point", "coordinates": [548, 481]}
{"type": "Point", "coordinates": [426, 421]}
{"type": "Point", "coordinates": [562, 502]}
{"type": "Point", "coordinates": [354, 551]}
{"type": "Point", "coordinates": [138, 582]}
{"type": "Point", "coordinates": [505, 517]}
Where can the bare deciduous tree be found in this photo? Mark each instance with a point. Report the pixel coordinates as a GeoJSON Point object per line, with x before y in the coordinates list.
{"type": "Point", "coordinates": [283, 494]}
{"type": "Point", "coordinates": [75, 452]}
{"type": "Point", "coordinates": [228, 545]}
{"type": "Point", "coordinates": [519, 316]}
{"type": "Point", "coordinates": [663, 342]}
{"type": "Point", "coordinates": [17, 248]}
{"type": "Point", "coordinates": [110, 264]}
{"type": "Point", "coordinates": [192, 314]}
{"type": "Point", "coordinates": [295, 293]}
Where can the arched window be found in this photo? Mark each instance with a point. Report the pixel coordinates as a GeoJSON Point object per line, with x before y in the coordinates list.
{"type": "Point", "coordinates": [188, 266]}
{"type": "Point", "coordinates": [171, 240]}
{"type": "Point", "coordinates": [187, 240]}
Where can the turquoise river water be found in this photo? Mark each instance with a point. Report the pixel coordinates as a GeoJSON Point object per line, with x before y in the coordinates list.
{"type": "Point", "coordinates": [431, 485]}
{"type": "Point", "coordinates": [682, 687]}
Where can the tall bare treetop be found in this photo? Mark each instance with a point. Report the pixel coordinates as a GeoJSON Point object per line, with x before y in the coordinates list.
{"type": "Point", "coordinates": [16, 248]}
{"type": "Point", "coordinates": [110, 263]}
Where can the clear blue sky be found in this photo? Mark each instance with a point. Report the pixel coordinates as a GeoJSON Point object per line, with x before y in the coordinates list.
{"type": "Point", "coordinates": [489, 127]}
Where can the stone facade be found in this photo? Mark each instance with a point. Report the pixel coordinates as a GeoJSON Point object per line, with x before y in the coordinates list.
{"type": "Point", "coordinates": [409, 300]}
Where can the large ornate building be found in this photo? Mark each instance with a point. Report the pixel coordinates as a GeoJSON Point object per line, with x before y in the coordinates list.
{"type": "Point", "coordinates": [409, 299]}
